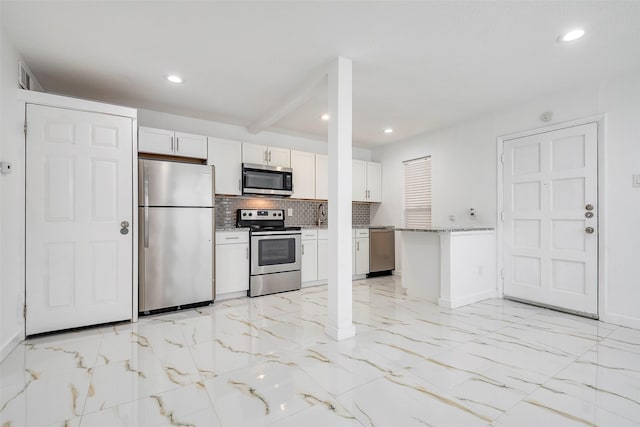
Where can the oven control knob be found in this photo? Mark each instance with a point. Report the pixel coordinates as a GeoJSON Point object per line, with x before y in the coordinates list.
{"type": "Point", "coordinates": [250, 214]}
{"type": "Point", "coordinates": [244, 214]}
{"type": "Point", "coordinates": [279, 213]}
{"type": "Point", "coordinates": [274, 214]}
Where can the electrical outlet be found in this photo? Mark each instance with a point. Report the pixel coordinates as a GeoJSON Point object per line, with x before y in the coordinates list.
{"type": "Point", "coordinates": [290, 212]}
{"type": "Point", "coordinates": [472, 213]}
{"type": "Point", "coordinates": [452, 218]}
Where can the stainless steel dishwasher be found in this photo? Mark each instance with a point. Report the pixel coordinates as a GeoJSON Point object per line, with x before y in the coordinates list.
{"type": "Point", "coordinates": [382, 251]}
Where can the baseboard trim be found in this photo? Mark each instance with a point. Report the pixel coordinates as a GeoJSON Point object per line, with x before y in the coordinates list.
{"type": "Point", "coordinates": [617, 319]}
{"type": "Point", "coordinates": [466, 300]}
{"type": "Point", "coordinates": [10, 346]}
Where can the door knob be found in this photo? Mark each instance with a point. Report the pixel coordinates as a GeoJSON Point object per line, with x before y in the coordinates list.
{"type": "Point", "coordinates": [589, 230]}
{"type": "Point", "coordinates": [124, 227]}
{"type": "Point", "coordinates": [588, 214]}
{"type": "Point", "coordinates": [589, 207]}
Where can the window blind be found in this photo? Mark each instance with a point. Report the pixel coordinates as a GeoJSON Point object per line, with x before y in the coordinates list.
{"type": "Point", "coordinates": [417, 193]}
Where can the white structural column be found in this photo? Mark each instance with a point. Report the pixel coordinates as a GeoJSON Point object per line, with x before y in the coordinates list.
{"type": "Point", "coordinates": [339, 323]}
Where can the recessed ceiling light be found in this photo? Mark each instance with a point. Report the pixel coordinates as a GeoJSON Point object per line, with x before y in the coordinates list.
{"type": "Point", "coordinates": [388, 130]}
{"type": "Point", "coordinates": [174, 79]}
{"type": "Point", "coordinates": [324, 117]}
{"type": "Point", "coordinates": [571, 35]}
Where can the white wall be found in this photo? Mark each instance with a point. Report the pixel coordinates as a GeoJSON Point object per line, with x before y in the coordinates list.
{"type": "Point", "coordinates": [12, 196]}
{"type": "Point", "coordinates": [464, 175]}
{"type": "Point", "coordinates": [239, 133]}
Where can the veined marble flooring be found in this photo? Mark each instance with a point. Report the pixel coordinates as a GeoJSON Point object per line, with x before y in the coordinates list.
{"type": "Point", "coordinates": [267, 361]}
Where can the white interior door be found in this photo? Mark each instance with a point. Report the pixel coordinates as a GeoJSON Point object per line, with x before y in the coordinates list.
{"type": "Point", "coordinates": [78, 191]}
{"type": "Point", "coordinates": [551, 219]}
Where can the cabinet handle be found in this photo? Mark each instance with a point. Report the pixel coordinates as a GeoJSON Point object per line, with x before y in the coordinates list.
{"type": "Point", "coordinates": [269, 156]}
{"type": "Point", "coordinates": [266, 159]}
{"type": "Point", "coordinates": [177, 144]}
{"type": "Point", "coordinates": [357, 246]}
{"type": "Point", "coordinates": [240, 185]}
{"type": "Point", "coordinates": [171, 143]}
{"type": "Point", "coordinates": [247, 252]}
{"type": "Point", "coordinates": [231, 238]}
{"type": "Point", "coordinates": [302, 249]}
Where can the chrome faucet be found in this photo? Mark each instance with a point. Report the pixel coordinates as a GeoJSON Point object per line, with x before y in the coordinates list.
{"type": "Point", "coordinates": [322, 213]}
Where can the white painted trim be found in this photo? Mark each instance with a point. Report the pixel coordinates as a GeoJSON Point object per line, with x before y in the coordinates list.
{"type": "Point", "coordinates": [339, 334]}
{"type": "Point", "coordinates": [134, 223]}
{"type": "Point", "coordinates": [617, 319]}
{"type": "Point", "coordinates": [41, 98]}
{"type": "Point", "coordinates": [470, 299]}
{"type": "Point", "coordinates": [10, 345]}
{"type": "Point", "coordinates": [313, 283]}
{"type": "Point", "coordinates": [600, 121]}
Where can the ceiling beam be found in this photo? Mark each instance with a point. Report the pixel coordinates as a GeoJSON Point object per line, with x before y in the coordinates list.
{"type": "Point", "coordinates": [300, 96]}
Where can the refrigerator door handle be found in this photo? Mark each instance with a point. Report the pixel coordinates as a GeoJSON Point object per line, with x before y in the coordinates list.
{"type": "Point", "coordinates": [146, 206]}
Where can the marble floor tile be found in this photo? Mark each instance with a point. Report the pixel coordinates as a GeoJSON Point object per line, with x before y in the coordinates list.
{"type": "Point", "coordinates": [268, 361]}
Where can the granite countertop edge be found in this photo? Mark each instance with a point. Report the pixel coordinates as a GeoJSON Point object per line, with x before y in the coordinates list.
{"type": "Point", "coordinates": [446, 229]}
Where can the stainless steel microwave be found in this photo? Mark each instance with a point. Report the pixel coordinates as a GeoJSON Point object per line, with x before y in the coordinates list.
{"type": "Point", "coordinates": [267, 180]}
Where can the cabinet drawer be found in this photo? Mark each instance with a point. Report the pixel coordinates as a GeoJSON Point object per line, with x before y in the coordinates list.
{"type": "Point", "coordinates": [230, 237]}
{"type": "Point", "coordinates": [309, 234]}
{"type": "Point", "coordinates": [323, 234]}
{"type": "Point", "coordinates": [362, 232]}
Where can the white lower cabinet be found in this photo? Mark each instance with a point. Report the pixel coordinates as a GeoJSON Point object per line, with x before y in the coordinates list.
{"type": "Point", "coordinates": [232, 262]}
{"type": "Point", "coordinates": [361, 252]}
{"type": "Point", "coordinates": [309, 268]}
{"type": "Point", "coordinates": [323, 255]}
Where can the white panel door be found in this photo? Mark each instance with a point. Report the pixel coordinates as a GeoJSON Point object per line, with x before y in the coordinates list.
{"type": "Point", "coordinates": [79, 190]}
{"type": "Point", "coordinates": [322, 177]}
{"type": "Point", "coordinates": [304, 175]}
{"type": "Point", "coordinates": [157, 141]}
{"type": "Point", "coordinates": [226, 156]}
{"type": "Point", "coordinates": [256, 154]}
{"type": "Point", "coordinates": [189, 145]}
{"type": "Point", "coordinates": [359, 181]}
{"type": "Point", "coordinates": [551, 219]}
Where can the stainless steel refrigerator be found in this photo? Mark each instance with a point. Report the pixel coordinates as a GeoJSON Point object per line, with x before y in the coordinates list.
{"type": "Point", "coordinates": [176, 240]}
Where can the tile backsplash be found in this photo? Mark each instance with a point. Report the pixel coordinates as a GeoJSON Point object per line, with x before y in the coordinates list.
{"type": "Point", "coordinates": [305, 212]}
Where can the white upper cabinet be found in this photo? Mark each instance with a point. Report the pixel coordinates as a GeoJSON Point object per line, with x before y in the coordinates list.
{"type": "Point", "coordinates": [322, 177]}
{"type": "Point", "coordinates": [162, 141]}
{"type": "Point", "coordinates": [374, 182]}
{"type": "Point", "coordinates": [263, 155]}
{"type": "Point", "coordinates": [304, 175]}
{"type": "Point", "coordinates": [359, 181]}
{"type": "Point", "coordinates": [366, 181]}
{"type": "Point", "coordinates": [226, 156]}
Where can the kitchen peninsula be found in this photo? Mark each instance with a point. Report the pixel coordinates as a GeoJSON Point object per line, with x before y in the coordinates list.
{"type": "Point", "coordinates": [449, 266]}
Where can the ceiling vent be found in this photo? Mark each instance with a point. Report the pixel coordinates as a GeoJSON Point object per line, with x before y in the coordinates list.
{"type": "Point", "coordinates": [24, 79]}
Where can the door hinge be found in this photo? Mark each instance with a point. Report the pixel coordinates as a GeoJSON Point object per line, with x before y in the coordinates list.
{"type": "Point", "coordinates": [25, 128]}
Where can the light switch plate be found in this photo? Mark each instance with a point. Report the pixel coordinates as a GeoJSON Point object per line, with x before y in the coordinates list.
{"type": "Point", "coordinates": [290, 212]}
{"type": "Point", "coordinates": [636, 181]}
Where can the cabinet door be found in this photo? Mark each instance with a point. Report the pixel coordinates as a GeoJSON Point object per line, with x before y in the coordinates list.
{"type": "Point", "coordinates": [359, 181]}
{"type": "Point", "coordinates": [354, 257]}
{"type": "Point", "coordinates": [374, 182]}
{"type": "Point", "coordinates": [226, 156]}
{"type": "Point", "coordinates": [304, 174]}
{"type": "Point", "coordinates": [256, 154]}
{"type": "Point", "coordinates": [232, 268]}
{"type": "Point", "coordinates": [156, 141]}
{"type": "Point", "coordinates": [362, 256]}
{"type": "Point", "coordinates": [323, 259]}
{"type": "Point", "coordinates": [322, 177]}
{"type": "Point", "coordinates": [189, 145]}
{"type": "Point", "coordinates": [309, 268]}
{"type": "Point", "coordinates": [279, 157]}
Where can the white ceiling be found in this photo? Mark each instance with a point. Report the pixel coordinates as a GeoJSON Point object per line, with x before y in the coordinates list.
{"type": "Point", "coordinates": [417, 66]}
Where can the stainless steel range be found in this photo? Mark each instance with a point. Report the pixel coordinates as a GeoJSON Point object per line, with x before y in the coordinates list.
{"type": "Point", "coordinates": [275, 251]}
